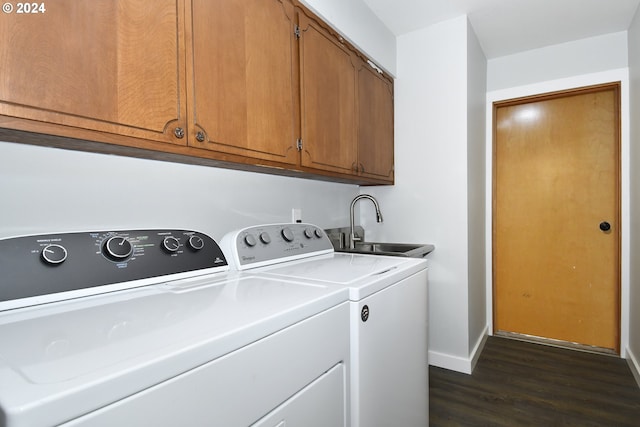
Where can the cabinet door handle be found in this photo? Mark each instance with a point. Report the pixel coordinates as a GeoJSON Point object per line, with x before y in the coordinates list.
{"type": "Point", "coordinates": [200, 136]}
{"type": "Point", "coordinates": [179, 132]}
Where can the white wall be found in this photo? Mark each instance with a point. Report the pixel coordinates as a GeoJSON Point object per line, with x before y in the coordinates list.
{"type": "Point", "coordinates": [607, 52]}
{"type": "Point", "coordinates": [358, 24]}
{"type": "Point", "coordinates": [633, 352]}
{"type": "Point", "coordinates": [590, 74]}
{"type": "Point", "coordinates": [428, 203]}
{"type": "Point", "coordinates": [476, 96]}
{"type": "Point", "coordinates": [49, 190]}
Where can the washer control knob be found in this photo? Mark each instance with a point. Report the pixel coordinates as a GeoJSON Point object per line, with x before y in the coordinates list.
{"type": "Point", "coordinates": [287, 234]}
{"type": "Point", "coordinates": [118, 248]}
{"type": "Point", "coordinates": [54, 254]}
{"type": "Point", "coordinates": [318, 233]}
{"type": "Point", "coordinates": [171, 244]}
{"type": "Point", "coordinates": [265, 238]}
{"type": "Point", "coordinates": [196, 242]}
{"type": "Point", "coordinates": [250, 240]}
{"type": "Point", "coordinates": [308, 233]}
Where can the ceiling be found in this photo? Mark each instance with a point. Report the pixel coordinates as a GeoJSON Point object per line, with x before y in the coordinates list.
{"type": "Point", "coordinates": [505, 27]}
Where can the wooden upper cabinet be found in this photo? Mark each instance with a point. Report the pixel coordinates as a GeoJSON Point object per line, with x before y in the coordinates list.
{"type": "Point", "coordinates": [328, 99]}
{"type": "Point", "coordinates": [110, 66]}
{"type": "Point", "coordinates": [242, 83]}
{"type": "Point", "coordinates": [375, 124]}
{"type": "Point", "coordinates": [244, 87]}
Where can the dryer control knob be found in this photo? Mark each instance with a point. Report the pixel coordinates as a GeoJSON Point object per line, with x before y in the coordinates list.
{"type": "Point", "coordinates": [287, 234]}
{"type": "Point", "coordinates": [318, 233]}
{"type": "Point", "coordinates": [308, 233]}
{"type": "Point", "coordinates": [250, 240]}
{"type": "Point", "coordinates": [265, 238]}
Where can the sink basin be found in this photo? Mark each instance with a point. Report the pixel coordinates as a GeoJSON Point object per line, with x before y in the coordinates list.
{"type": "Point", "coordinates": [385, 247]}
{"type": "Point", "coordinates": [339, 239]}
{"type": "Point", "coordinates": [412, 250]}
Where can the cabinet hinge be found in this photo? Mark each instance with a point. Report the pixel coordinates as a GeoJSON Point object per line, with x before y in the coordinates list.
{"type": "Point", "coordinates": [299, 144]}
{"type": "Point", "coordinates": [296, 31]}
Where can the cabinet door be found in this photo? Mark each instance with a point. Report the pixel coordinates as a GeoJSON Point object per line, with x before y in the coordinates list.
{"type": "Point", "coordinates": [244, 90]}
{"type": "Point", "coordinates": [375, 124]}
{"type": "Point", "coordinates": [110, 66]}
{"type": "Point", "coordinates": [328, 96]}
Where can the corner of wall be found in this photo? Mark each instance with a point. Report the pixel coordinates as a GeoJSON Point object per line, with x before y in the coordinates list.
{"type": "Point", "coordinates": [476, 187]}
{"type": "Point", "coordinates": [477, 349]}
{"type": "Point", "coordinates": [633, 365]}
{"type": "Point", "coordinates": [460, 364]}
{"type": "Point", "coordinates": [633, 42]}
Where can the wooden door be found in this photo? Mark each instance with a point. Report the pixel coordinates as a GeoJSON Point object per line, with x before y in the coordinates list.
{"type": "Point", "coordinates": [244, 93]}
{"type": "Point", "coordinates": [375, 123]}
{"type": "Point", "coordinates": [328, 98]}
{"type": "Point", "coordinates": [108, 66]}
{"type": "Point", "coordinates": [556, 183]}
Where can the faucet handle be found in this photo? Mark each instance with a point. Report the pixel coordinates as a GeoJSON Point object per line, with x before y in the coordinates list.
{"type": "Point", "coordinates": [342, 240]}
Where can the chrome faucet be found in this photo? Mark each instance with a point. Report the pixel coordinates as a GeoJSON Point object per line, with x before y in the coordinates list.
{"type": "Point", "coordinates": [352, 235]}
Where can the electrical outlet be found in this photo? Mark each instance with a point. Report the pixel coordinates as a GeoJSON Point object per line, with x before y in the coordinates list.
{"type": "Point", "coordinates": [296, 215]}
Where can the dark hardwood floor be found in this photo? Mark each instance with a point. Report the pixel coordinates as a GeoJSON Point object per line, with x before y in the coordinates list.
{"type": "Point", "coordinates": [524, 384]}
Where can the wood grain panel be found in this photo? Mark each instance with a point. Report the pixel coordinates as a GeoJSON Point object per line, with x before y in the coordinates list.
{"type": "Point", "coordinates": [244, 90]}
{"type": "Point", "coordinates": [109, 66]}
{"type": "Point", "coordinates": [375, 124]}
{"type": "Point", "coordinates": [523, 384]}
{"type": "Point", "coordinates": [556, 274]}
{"type": "Point", "coordinates": [328, 98]}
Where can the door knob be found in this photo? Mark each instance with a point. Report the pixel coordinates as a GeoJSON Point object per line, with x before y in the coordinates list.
{"type": "Point", "coordinates": [605, 226]}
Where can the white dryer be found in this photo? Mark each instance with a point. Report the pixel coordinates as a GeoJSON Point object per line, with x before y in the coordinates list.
{"type": "Point", "coordinates": [388, 314]}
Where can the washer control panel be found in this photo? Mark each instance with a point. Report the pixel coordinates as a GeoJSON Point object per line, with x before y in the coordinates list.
{"type": "Point", "coordinates": [34, 266]}
{"type": "Point", "coordinates": [271, 243]}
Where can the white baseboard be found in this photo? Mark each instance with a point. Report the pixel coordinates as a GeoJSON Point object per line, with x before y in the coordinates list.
{"type": "Point", "coordinates": [633, 365]}
{"type": "Point", "coordinates": [450, 362]}
{"type": "Point", "coordinates": [457, 363]}
{"type": "Point", "coordinates": [477, 350]}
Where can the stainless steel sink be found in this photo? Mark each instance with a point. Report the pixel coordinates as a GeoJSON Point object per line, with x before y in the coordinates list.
{"type": "Point", "coordinates": [385, 247]}
{"type": "Point", "coordinates": [393, 249]}
{"type": "Point", "coordinates": [338, 237]}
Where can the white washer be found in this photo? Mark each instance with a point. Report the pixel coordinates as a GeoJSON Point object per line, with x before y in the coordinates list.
{"type": "Point", "coordinates": [388, 314]}
{"type": "Point", "coordinates": [177, 340]}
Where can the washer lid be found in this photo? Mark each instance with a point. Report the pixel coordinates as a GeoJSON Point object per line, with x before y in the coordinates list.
{"type": "Point", "coordinates": [363, 274]}
{"type": "Point", "coordinates": [61, 360]}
